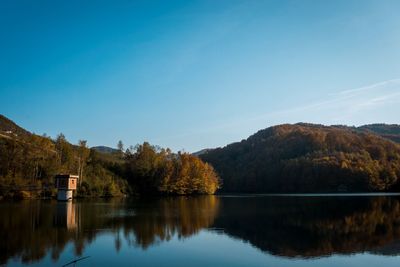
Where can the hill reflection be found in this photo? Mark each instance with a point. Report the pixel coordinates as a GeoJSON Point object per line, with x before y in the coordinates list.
{"type": "Point", "coordinates": [284, 226]}
{"type": "Point", "coordinates": [314, 226]}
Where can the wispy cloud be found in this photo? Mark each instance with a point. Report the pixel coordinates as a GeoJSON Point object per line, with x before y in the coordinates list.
{"type": "Point", "coordinates": [370, 87]}
{"type": "Point", "coordinates": [371, 103]}
{"type": "Point", "coordinates": [344, 104]}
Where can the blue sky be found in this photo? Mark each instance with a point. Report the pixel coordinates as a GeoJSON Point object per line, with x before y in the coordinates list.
{"type": "Point", "coordinates": [196, 74]}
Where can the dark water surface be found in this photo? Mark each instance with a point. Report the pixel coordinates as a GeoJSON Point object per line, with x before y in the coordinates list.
{"type": "Point", "coordinates": [229, 231]}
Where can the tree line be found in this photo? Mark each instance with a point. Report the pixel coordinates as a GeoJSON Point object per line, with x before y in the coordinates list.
{"type": "Point", "coordinates": [28, 166]}
{"type": "Point", "coordinates": [31, 162]}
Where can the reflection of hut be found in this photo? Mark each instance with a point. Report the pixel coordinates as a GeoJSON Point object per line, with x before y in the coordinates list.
{"type": "Point", "coordinates": [66, 183]}
{"type": "Point", "coordinates": [66, 215]}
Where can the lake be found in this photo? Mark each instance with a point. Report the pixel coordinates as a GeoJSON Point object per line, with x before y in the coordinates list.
{"type": "Point", "coordinates": [230, 230]}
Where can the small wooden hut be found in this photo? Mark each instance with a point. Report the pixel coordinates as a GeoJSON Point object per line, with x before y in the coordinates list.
{"type": "Point", "coordinates": [65, 184]}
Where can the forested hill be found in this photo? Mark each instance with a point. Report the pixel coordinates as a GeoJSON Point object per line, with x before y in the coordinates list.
{"type": "Point", "coordinates": [308, 158]}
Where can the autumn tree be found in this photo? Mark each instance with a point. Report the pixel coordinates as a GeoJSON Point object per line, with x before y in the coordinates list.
{"type": "Point", "coordinates": [156, 170]}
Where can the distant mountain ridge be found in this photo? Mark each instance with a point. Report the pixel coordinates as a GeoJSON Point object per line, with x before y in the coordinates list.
{"type": "Point", "coordinates": [201, 152]}
{"type": "Point", "coordinates": [389, 131]}
{"type": "Point", "coordinates": [105, 149]}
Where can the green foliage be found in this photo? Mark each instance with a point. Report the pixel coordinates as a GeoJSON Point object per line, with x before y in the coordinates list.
{"type": "Point", "coordinates": [28, 162]}
{"type": "Point", "coordinates": [308, 158]}
{"type": "Point", "coordinates": [31, 162]}
{"type": "Point", "coordinates": [102, 178]}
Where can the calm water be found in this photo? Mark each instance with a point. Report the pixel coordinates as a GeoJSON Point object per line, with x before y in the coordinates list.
{"type": "Point", "coordinates": [204, 231]}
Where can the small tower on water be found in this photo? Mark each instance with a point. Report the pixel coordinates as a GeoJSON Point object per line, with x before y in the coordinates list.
{"type": "Point", "coordinates": [65, 184]}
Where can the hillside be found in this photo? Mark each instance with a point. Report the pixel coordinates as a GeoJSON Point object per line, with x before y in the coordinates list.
{"type": "Point", "coordinates": [9, 128]}
{"type": "Point", "coordinates": [308, 158]}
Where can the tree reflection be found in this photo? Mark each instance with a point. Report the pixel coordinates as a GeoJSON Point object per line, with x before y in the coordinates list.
{"type": "Point", "coordinates": [29, 230]}
{"type": "Point", "coordinates": [316, 226]}
{"type": "Point", "coordinates": [159, 220]}
{"type": "Point", "coordinates": [284, 226]}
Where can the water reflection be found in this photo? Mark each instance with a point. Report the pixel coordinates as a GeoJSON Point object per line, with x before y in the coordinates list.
{"type": "Point", "coordinates": [285, 226]}
{"type": "Point", "coordinates": [66, 215]}
{"type": "Point", "coordinates": [158, 220]}
{"type": "Point", "coordinates": [314, 226]}
{"type": "Point", "coordinates": [29, 230]}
